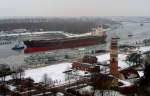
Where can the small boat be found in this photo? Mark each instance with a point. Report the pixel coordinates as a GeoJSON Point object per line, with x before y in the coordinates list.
{"type": "Point", "coordinates": [117, 37]}
{"type": "Point", "coordinates": [130, 35]}
{"type": "Point", "coordinates": [18, 47]}
{"type": "Point", "coordinates": [141, 24]}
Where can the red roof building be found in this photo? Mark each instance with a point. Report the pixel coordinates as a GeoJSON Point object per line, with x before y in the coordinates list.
{"type": "Point", "coordinates": [87, 63]}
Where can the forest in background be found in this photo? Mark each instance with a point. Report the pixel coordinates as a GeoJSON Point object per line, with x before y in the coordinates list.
{"type": "Point", "coordinates": [71, 25]}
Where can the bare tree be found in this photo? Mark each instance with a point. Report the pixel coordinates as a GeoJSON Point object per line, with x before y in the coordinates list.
{"type": "Point", "coordinates": [4, 71]}
{"type": "Point", "coordinates": [18, 72]}
{"type": "Point", "coordinates": [47, 80]}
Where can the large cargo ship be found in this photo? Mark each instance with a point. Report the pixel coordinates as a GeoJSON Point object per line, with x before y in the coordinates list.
{"type": "Point", "coordinates": [97, 36]}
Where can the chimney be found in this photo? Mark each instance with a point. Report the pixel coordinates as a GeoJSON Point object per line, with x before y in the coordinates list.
{"type": "Point", "coordinates": [114, 58]}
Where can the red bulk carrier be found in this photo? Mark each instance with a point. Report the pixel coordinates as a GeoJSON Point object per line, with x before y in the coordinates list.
{"type": "Point", "coordinates": [98, 36]}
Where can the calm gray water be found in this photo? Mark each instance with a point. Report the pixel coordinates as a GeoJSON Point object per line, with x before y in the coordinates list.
{"type": "Point", "coordinates": [139, 32]}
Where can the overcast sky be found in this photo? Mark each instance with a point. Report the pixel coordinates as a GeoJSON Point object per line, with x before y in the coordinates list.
{"type": "Point", "coordinates": [74, 8]}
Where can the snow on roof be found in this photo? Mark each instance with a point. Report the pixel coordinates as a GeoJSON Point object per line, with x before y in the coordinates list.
{"type": "Point", "coordinates": [141, 73]}
{"type": "Point", "coordinates": [81, 73]}
{"type": "Point", "coordinates": [104, 57]}
{"type": "Point", "coordinates": [121, 59]}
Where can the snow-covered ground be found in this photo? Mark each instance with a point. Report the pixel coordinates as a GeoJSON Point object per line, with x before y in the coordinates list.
{"type": "Point", "coordinates": [55, 72]}
{"type": "Point", "coordinates": [144, 49]}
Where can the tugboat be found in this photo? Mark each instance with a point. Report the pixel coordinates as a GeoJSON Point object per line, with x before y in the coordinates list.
{"type": "Point", "coordinates": [18, 46]}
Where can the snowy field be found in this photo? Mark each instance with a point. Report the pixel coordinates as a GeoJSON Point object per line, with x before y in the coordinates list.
{"type": "Point", "coordinates": [144, 49]}
{"type": "Point", "coordinates": [55, 72]}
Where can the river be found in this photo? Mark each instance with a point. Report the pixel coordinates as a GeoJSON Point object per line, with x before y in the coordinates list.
{"type": "Point", "coordinates": [122, 31]}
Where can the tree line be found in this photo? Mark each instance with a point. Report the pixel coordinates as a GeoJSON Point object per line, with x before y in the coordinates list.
{"type": "Point", "coordinates": [72, 25]}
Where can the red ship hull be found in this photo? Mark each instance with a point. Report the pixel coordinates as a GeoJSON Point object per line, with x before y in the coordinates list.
{"type": "Point", "coordinates": [45, 45]}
